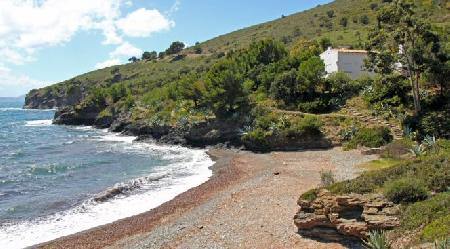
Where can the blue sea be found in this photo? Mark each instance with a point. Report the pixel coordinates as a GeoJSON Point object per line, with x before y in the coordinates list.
{"type": "Point", "coordinates": [59, 180]}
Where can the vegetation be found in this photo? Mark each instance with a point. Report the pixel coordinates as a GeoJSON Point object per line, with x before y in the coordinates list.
{"type": "Point", "coordinates": [370, 137]}
{"type": "Point", "coordinates": [410, 183]}
{"type": "Point", "coordinates": [405, 190]}
{"type": "Point", "coordinates": [327, 178]}
{"type": "Point", "coordinates": [400, 29]}
{"type": "Point", "coordinates": [377, 240]}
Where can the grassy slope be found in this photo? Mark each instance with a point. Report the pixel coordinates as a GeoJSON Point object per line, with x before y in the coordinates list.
{"type": "Point", "coordinates": [304, 24]}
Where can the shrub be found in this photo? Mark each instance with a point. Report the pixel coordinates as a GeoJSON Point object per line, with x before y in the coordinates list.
{"type": "Point", "coordinates": [377, 240]}
{"type": "Point", "coordinates": [438, 229]}
{"type": "Point", "coordinates": [425, 212]}
{"type": "Point", "coordinates": [315, 106]}
{"type": "Point", "coordinates": [309, 195]}
{"type": "Point", "coordinates": [434, 171]}
{"type": "Point", "coordinates": [327, 178]}
{"type": "Point", "coordinates": [435, 123]}
{"type": "Point", "coordinates": [271, 130]}
{"type": "Point", "coordinates": [405, 190]}
{"type": "Point", "coordinates": [442, 244]}
{"type": "Point", "coordinates": [308, 124]}
{"type": "Point", "coordinates": [397, 149]}
{"type": "Point", "coordinates": [371, 137]}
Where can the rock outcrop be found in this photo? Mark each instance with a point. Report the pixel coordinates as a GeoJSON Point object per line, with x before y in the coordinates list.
{"type": "Point", "coordinates": [52, 98]}
{"type": "Point", "coordinates": [329, 216]}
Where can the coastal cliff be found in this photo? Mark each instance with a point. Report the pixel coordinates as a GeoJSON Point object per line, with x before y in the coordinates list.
{"type": "Point", "coordinates": [52, 98]}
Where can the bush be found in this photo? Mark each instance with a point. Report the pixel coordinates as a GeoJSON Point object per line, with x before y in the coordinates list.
{"type": "Point", "coordinates": [397, 149]}
{"type": "Point", "coordinates": [438, 229]}
{"type": "Point", "coordinates": [315, 106]}
{"type": "Point", "coordinates": [377, 240]}
{"type": "Point", "coordinates": [271, 130]}
{"type": "Point", "coordinates": [434, 171]}
{"type": "Point", "coordinates": [425, 212]}
{"type": "Point", "coordinates": [309, 124]}
{"type": "Point", "coordinates": [327, 178]}
{"type": "Point", "coordinates": [435, 123]}
{"type": "Point", "coordinates": [405, 190]}
{"type": "Point", "coordinates": [309, 195]}
{"type": "Point", "coordinates": [371, 137]}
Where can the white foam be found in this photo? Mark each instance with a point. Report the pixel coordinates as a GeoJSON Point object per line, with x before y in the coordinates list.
{"type": "Point", "coordinates": [7, 109]}
{"type": "Point", "coordinates": [194, 169]}
{"type": "Point", "coordinates": [81, 128]}
{"type": "Point", "coordinates": [35, 123]}
{"type": "Point", "coordinates": [116, 137]}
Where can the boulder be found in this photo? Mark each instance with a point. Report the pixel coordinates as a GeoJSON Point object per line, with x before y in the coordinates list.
{"type": "Point", "coordinates": [352, 215]}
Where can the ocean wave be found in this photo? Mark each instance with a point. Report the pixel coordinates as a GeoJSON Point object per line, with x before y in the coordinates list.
{"type": "Point", "coordinates": [50, 169]}
{"type": "Point", "coordinates": [82, 128]}
{"type": "Point", "coordinates": [115, 137]}
{"type": "Point", "coordinates": [8, 109]}
{"type": "Point", "coordinates": [128, 187]}
{"type": "Point", "coordinates": [38, 123]}
{"type": "Point", "coordinates": [121, 201]}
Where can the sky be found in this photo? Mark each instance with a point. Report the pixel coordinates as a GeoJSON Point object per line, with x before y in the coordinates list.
{"type": "Point", "coordinates": [43, 42]}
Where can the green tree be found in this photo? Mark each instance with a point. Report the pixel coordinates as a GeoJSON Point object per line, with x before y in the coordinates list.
{"type": "Point", "coordinates": [343, 22]}
{"type": "Point", "coordinates": [364, 19]}
{"type": "Point", "coordinates": [149, 55]}
{"type": "Point", "coordinates": [175, 48]}
{"type": "Point", "coordinates": [225, 93]}
{"type": "Point", "coordinates": [310, 76]}
{"type": "Point", "coordinates": [263, 52]}
{"type": "Point", "coordinates": [133, 59]}
{"type": "Point", "coordinates": [285, 87]}
{"type": "Point", "coordinates": [330, 13]}
{"type": "Point", "coordinates": [402, 37]}
{"type": "Point", "coordinates": [304, 49]}
{"type": "Point", "coordinates": [325, 43]}
{"type": "Point", "coordinates": [192, 88]}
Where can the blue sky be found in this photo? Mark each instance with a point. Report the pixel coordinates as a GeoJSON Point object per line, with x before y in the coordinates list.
{"type": "Point", "coordinates": [46, 41]}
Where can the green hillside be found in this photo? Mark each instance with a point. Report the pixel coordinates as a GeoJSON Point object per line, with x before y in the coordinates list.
{"type": "Point", "coordinates": [313, 24]}
{"type": "Point", "coordinates": [317, 23]}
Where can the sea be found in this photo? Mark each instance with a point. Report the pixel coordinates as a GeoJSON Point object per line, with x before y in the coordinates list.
{"type": "Point", "coordinates": [58, 180]}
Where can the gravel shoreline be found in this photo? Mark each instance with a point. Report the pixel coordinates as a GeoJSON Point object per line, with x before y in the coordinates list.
{"type": "Point", "coordinates": [248, 203]}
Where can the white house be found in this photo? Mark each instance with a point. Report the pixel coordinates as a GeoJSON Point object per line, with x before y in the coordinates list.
{"type": "Point", "coordinates": [345, 60]}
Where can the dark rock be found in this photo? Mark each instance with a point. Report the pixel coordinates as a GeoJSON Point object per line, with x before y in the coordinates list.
{"type": "Point", "coordinates": [71, 116]}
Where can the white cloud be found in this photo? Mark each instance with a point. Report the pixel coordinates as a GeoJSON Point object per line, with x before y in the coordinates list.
{"type": "Point", "coordinates": [107, 63]}
{"type": "Point", "coordinates": [14, 85]}
{"type": "Point", "coordinates": [144, 22]}
{"type": "Point", "coordinates": [175, 7]}
{"type": "Point", "coordinates": [29, 25]}
{"type": "Point", "coordinates": [33, 24]}
{"type": "Point", "coordinates": [126, 49]}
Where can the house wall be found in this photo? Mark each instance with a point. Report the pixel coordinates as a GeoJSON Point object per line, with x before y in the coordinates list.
{"type": "Point", "coordinates": [352, 64]}
{"type": "Point", "coordinates": [330, 58]}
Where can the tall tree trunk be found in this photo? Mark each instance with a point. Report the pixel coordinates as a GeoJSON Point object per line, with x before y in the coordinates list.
{"type": "Point", "coordinates": [416, 93]}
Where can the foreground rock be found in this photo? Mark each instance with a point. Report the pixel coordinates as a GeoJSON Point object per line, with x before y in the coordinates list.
{"type": "Point", "coordinates": [328, 217]}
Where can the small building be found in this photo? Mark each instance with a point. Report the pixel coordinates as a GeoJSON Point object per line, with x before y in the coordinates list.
{"type": "Point", "coordinates": [345, 60]}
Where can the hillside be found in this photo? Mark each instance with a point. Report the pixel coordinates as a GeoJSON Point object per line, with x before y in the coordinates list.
{"type": "Point", "coordinates": [232, 91]}
{"type": "Point", "coordinates": [313, 24]}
